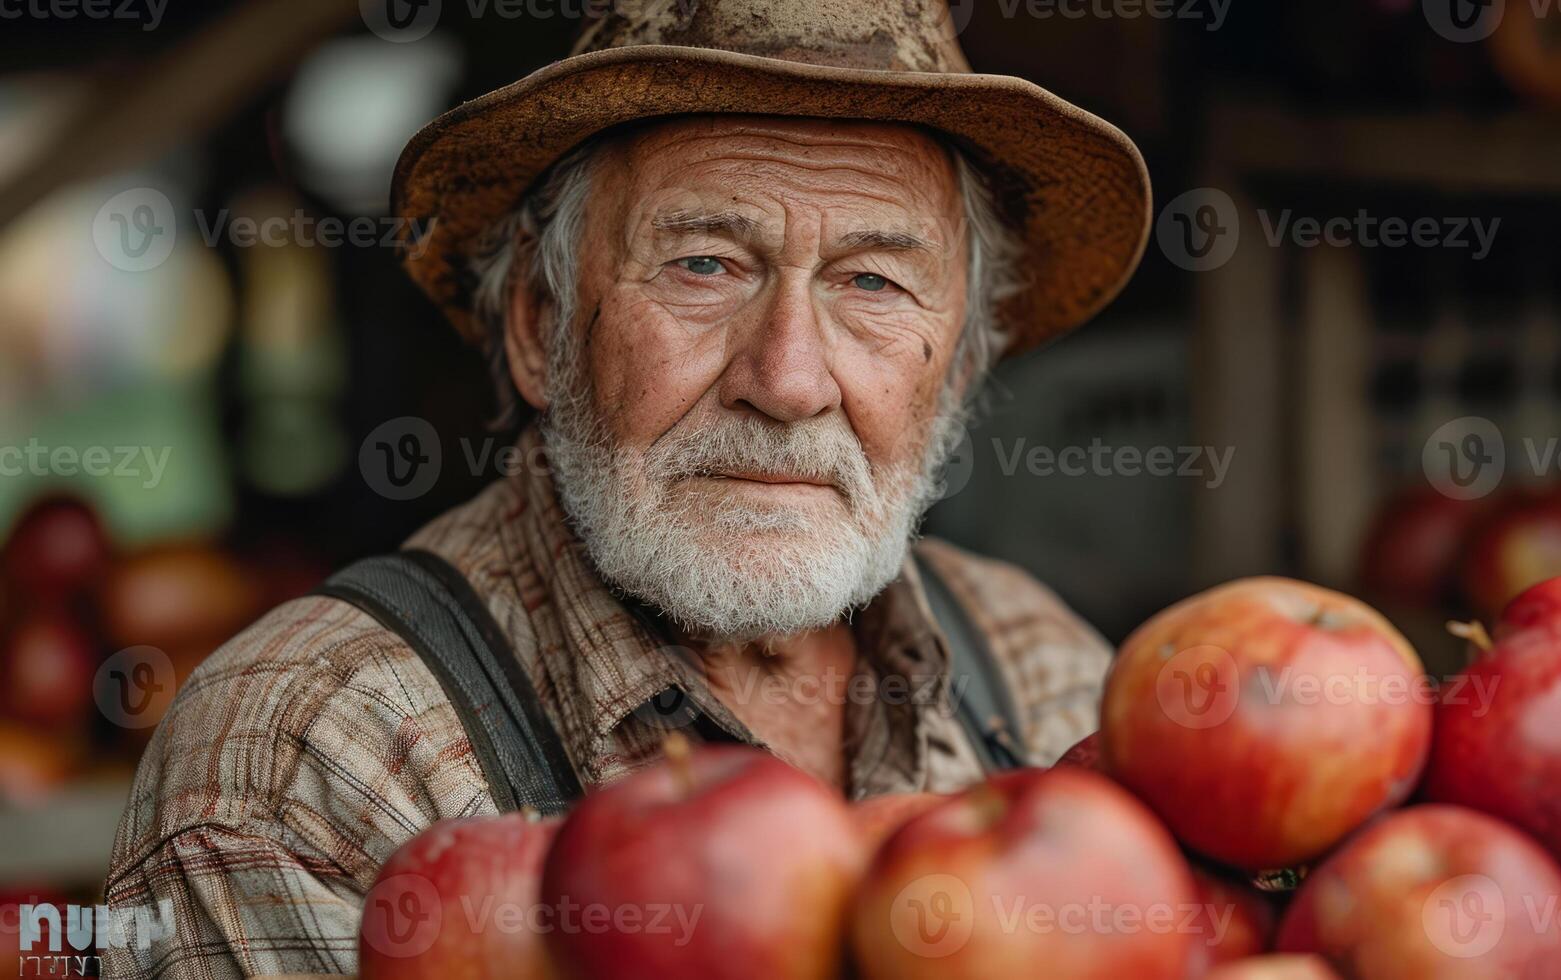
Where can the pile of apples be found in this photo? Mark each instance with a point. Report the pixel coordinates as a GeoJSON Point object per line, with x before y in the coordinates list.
{"type": "Point", "coordinates": [69, 598]}
{"type": "Point", "coordinates": [1263, 733]}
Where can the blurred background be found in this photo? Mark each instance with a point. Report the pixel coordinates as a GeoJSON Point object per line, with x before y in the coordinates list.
{"type": "Point", "coordinates": [1340, 360]}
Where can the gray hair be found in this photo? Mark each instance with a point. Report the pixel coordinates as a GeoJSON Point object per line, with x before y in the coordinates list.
{"type": "Point", "coordinates": [539, 239]}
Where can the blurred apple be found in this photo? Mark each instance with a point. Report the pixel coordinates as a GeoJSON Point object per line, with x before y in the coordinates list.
{"type": "Point", "coordinates": [1432, 891]}
{"type": "Point", "coordinates": [47, 664]}
{"type": "Point", "coordinates": [460, 902]}
{"type": "Point", "coordinates": [177, 597]}
{"type": "Point", "coordinates": [1412, 551]}
{"type": "Point", "coordinates": [1279, 966]}
{"type": "Point", "coordinates": [724, 863]}
{"type": "Point", "coordinates": [1497, 740]}
{"type": "Point", "coordinates": [879, 817]}
{"type": "Point", "coordinates": [1266, 719]}
{"type": "Point", "coordinates": [1085, 755]}
{"type": "Point", "coordinates": [31, 767]}
{"type": "Point", "coordinates": [1233, 922]}
{"type": "Point", "coordinates": [56, 549]}
{"type": "Point", "coordinates": [1055, 872]}
{"type": "Point", "coordinates": [1519, 546]}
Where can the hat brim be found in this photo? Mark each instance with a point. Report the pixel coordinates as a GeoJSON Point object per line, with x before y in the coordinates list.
{"type": "Point", "coordinates": [1074, 185]}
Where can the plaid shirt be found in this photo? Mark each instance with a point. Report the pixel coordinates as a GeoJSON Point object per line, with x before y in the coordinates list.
{"type": "Point", "coordinates": [312, 745]}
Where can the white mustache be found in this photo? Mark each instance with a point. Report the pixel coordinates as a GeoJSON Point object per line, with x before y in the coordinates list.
{"type": "Point", "coordinates": [822, 450]}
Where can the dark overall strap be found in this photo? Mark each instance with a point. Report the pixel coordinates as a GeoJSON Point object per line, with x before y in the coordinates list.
{"type": "Point", "coordinates": [429, 604]}
{"type": "Point", "coordinates": [980, 692]}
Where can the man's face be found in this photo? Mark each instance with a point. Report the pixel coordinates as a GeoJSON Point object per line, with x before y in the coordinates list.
{"type": "Point", "coordinates": [768, 312]}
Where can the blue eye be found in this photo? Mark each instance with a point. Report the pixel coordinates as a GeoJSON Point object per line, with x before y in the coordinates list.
{"type": "Point", "coordinates": [870, 282]}
{"type": "Point", "coordinates": [702, 265]}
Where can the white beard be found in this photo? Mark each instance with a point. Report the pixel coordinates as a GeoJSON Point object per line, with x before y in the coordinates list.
{"type": "Point", "coordinates": [723, 566]}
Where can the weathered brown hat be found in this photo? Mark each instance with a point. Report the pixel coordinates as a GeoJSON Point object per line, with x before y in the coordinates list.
{"type": "Point", "coordinates": [1074, 184]}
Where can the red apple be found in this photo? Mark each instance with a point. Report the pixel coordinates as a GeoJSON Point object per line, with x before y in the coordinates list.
{"type": "Point", "coordinates": [1497, 741]}
{"type": "Point", "coordinates": [1058, 870]}
{"type": "Point", "coordinates": [1412, 551]}
{"type": "Point", "coordinates": [47, 664]}
{"type": "Point", "coordinates": [1233, 921]}
{"type": "Point", "coordinates": [1280, 966]}
{"type": "Point", "coordinates": [1518, 547]}
{"type": "Point", "coordinates": [881, 816]}
{"type": "Point", "coordinates": [726, 863]}
{"type": "Point", "coordinates": [460, 902]}
{"type": "Point", "coordinates": [1415, 545]}
{"type": "Point", "coordinates": [1085, 754]}
{"type": "Point", "coordinates": [55, 549]}
{"type": "Point", "coordinates": [1432, 891]}
{"type": "Point", "coordinates": [1266, 719]}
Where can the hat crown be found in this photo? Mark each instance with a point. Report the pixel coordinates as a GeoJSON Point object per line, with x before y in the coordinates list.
{"type": "Point", "coordinates": [879, 35]}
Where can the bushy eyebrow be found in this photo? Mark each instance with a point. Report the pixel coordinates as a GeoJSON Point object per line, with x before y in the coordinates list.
{"type": "Point", "coordinates": [888, 241]}
{"type": "Point", "coordinates": [728, 223]}
{"type": "Point", "coordinates": [742, 227]}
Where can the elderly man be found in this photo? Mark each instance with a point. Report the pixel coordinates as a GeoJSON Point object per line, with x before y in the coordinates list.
{"type": "Point", "coordinates": [747, 263]}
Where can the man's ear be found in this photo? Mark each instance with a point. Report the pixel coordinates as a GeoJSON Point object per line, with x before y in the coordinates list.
{"type": "Point", "coordinates": [528, 322]}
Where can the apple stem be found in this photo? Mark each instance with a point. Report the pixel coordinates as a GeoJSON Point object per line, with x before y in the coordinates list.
{"type": "Point", "coordinates": [677, 750]}
{"type": "Point", "coordinates": [1474, 632]}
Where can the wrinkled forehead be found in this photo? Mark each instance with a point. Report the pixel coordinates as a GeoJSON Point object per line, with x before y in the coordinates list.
{"type": "Point", "coordinates": [697, 162]}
